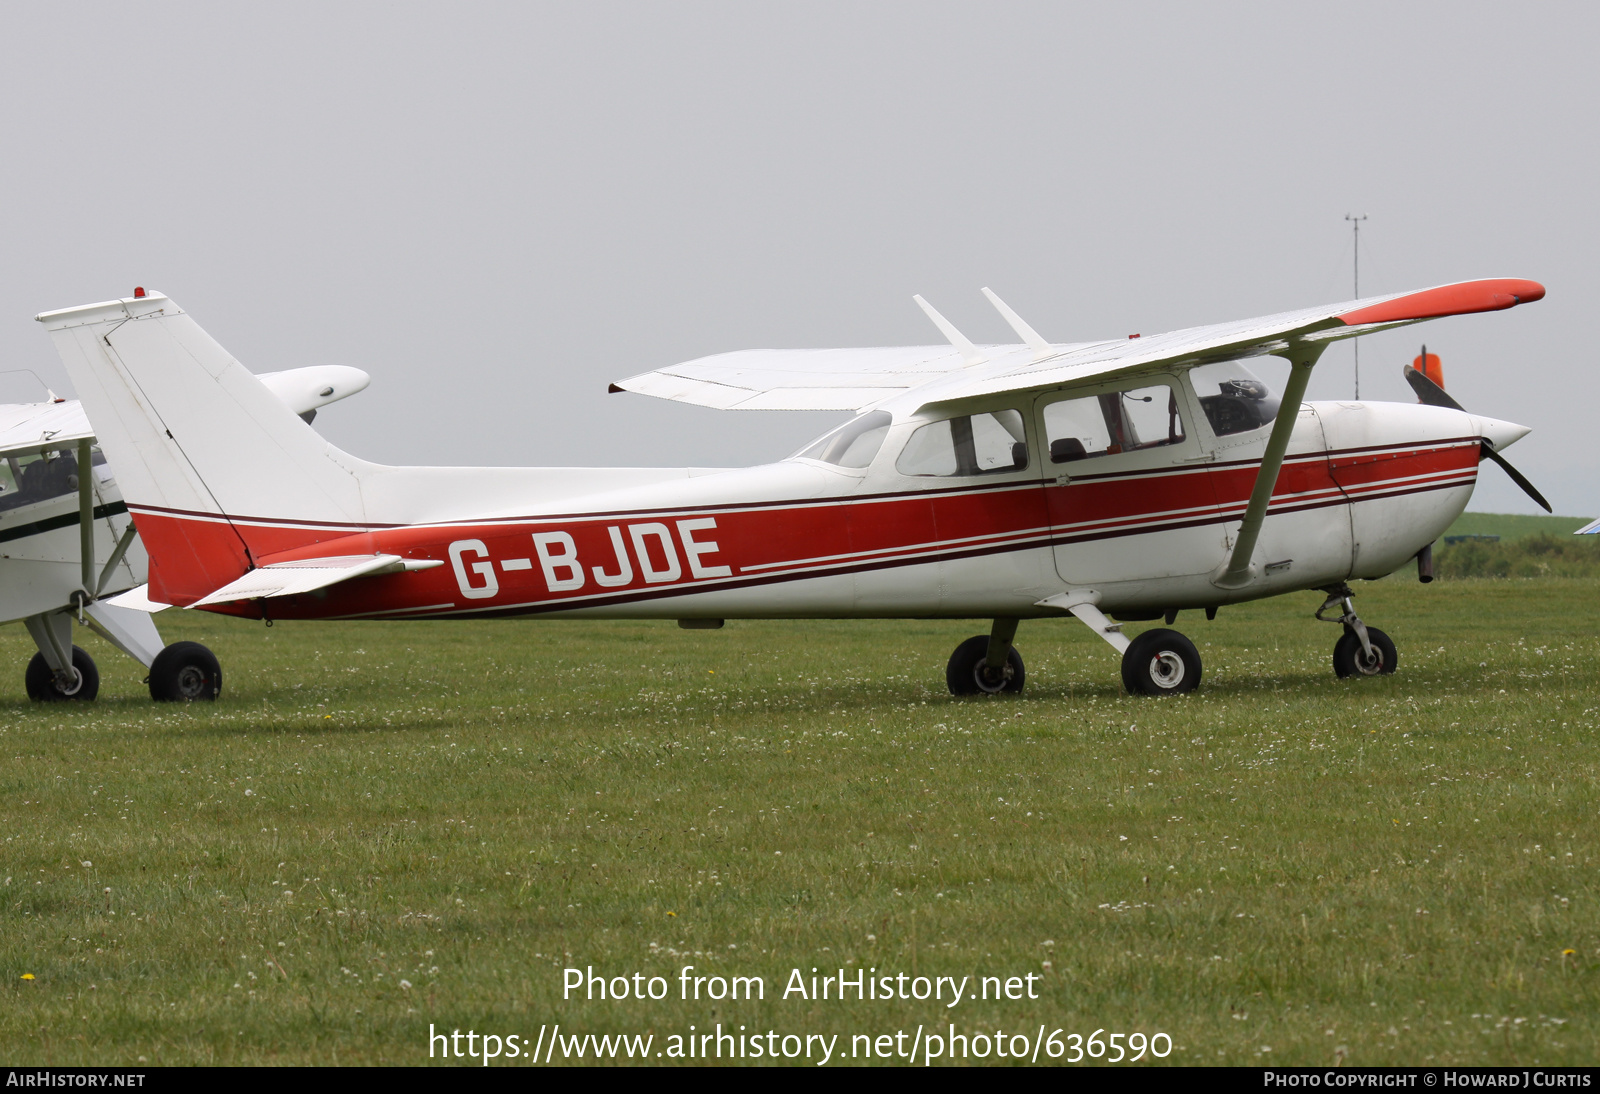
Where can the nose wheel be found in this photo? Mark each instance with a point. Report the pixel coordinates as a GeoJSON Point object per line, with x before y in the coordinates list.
{"type": "Point", "coordinates": [1361, 650]}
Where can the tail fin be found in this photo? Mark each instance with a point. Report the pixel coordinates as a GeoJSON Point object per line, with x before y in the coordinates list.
{"type": "Point", "coordinates": [216, 470]}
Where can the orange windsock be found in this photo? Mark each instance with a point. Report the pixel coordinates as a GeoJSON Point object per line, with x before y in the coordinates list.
{"type": "Point", "coordinates": [1428, 364]}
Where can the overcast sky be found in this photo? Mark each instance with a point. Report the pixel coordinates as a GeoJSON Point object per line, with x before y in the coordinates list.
{"type": "Point", "coordinates": [498, 209]}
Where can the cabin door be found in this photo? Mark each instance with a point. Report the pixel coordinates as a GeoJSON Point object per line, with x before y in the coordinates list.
{"type": "Point", "coordinates": [1127, 488]}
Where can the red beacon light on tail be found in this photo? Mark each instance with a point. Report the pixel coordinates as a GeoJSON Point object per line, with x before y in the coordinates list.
{"type": "Point", "coordinates": [138, 292]}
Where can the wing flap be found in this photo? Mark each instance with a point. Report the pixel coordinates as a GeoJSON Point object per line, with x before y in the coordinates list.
{"type": "Point", "coordinates": [802, 379]}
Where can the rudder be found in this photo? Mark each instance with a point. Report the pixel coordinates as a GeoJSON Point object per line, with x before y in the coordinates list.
{"type": "Point", "coordinates": [215, 469]}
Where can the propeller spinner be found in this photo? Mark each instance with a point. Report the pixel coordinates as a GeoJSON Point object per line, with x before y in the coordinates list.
{"type": "Point", "coordinates": [1430, 392]}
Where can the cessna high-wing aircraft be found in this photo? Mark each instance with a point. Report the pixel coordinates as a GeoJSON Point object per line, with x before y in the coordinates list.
{"type": "Point", "coordinates": [1132, 478]}
{"type": "Point", "coordinates": [67, 544]}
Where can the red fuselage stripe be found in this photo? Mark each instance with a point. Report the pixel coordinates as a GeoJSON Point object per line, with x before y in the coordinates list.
{"type": "Point", "coordinates": [556, 563]}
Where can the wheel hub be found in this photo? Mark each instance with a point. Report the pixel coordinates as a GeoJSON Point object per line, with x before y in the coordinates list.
{"type": "Point", "coordinates": [191, 682]}
{"type": "Point", "coordinates": [1167, 669]}
{"type": "Point", "coordinates": [991, 681]}
{"type": "Point", "coordinates": [1369, 664]}
{"type": "Point", "coordinates": [69, 681]}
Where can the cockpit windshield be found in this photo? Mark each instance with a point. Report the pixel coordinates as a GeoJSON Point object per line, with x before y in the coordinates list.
{"type": "Point", "coordinates": [852, 444]}
{"type": "Point", "coordinates": [1234, 399]}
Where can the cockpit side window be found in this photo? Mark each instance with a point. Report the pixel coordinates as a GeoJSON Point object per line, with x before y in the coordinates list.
{"type": "Point", "coordinates": [1113, 422]}
{"type": "Point", "coordinates": [1234, 399]}
{"type": "Point", "coordinates": [38, 477]}
{"type": "Point", "coordinates": [853, 444]}
{"type": "Point", "coordinates": [973, 444]}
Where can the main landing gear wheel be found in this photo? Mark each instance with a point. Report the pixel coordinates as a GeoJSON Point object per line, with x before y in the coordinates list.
{"type": "Point", "coordinates": [185, 671]}
{"type": "Point", "coordinates": [1349, 659]}
{"type": "Point", "coordinates": [82, 681]}
{"type": "Point", "coordinates": [1160, 662]}
{"type": "Point", "coordinates": [969, 674]}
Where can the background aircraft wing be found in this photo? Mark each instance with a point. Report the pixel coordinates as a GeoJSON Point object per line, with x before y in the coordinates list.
{"type": "Point", "coordinates": [855, 379]}
{"type": "Point", "coordinates": [26, 428]}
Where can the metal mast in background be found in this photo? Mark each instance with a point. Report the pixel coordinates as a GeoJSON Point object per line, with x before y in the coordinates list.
{"type": "Point", "coordinates": [1355, 229]}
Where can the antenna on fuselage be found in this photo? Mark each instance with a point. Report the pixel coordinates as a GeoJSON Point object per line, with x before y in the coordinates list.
{"type": "Point", "coordinates": [969, 352]}
{"type": "Point", "coordinates": [1041, 348]}
{"type": "Point", "coordinates": [1355, 343]}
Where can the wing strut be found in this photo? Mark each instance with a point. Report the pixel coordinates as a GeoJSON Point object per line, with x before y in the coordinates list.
{"type": "Point", "coordinates": [1238, 572]}
{"type": "Point", "coordinates": [86, 517]}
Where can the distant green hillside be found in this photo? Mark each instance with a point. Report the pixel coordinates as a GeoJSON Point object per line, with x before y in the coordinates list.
{"type": "Point", "coordinates": [1509, 526]}
{"type": "Point", "coordinates": [1527, 547]}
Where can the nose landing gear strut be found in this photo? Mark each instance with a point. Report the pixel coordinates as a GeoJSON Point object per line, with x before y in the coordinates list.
{"type": "Point", "coordinates": [1361, 650]}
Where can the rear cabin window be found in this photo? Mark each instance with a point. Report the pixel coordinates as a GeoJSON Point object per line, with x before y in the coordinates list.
{"type": "Point", "coordinates": [1113, 422]}
{"type": "Point", "coordinates": [852, 444]}
{"type": "Point", "coordinates": [974, 444]}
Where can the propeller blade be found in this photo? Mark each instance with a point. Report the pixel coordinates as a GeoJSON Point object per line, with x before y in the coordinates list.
{"type": "Point", "coordinates": [1431, 393]}
{"type": "Point", "coordinates": [1516, 476]}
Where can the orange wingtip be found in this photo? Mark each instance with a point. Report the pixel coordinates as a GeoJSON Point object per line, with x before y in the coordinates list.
{"type": "Point", "coordinates": [1495, 294]}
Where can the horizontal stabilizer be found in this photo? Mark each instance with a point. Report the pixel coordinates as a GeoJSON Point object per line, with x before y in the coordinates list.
{"type": "Point", "coordinates": [309, 574]}
{"type": "Point", "coordinates": [138, 599]}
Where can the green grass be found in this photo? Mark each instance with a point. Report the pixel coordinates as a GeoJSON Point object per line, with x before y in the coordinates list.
{"type": "Point", "coordinates": [1384, 871]}
{"type": "Point", "coordinates": [1513, 526]}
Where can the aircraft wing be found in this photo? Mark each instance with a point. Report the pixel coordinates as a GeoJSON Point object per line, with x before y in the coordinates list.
{"type": "Point", "coordinates": [1590, 529]}
{"type": "Point", "coordinates": [307, 389]}
{"type": "Point", "coordinates": [855, 379]}
{"type": "Point", "coordinates": [26, 428]}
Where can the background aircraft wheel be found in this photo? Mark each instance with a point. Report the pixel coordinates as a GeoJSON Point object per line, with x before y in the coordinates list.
{"type": "Point", "coordinates": [184, 671]}
{"type": "Point", "coordinates": [966, 674]}
{"type": "Point", "coordinates": [43, 686]}
{"type": "Point", "coordinates": [1349, 659]}
{"type": "Point", "coordinates": [1160, 662]}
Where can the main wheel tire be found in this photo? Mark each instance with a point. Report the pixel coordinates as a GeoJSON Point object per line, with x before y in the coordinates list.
{"type": "Point", "coordinates": [1160, 662]}
{"type": "Point", "coordinates": [967, 673]}
{"type": "Point", "coordinates": [1349, 659]}
{"type": "Point", "coordinates": [44, 688]}
{"type": "Point", "coordinates": [183, 672]}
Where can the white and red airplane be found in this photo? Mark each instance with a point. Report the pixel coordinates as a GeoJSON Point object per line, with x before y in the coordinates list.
{"type": "Point", "coordinates": [1131, 478]}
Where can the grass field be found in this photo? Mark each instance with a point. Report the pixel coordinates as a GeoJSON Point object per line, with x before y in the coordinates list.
{"type": "Point", "coordinates": [387, 825]}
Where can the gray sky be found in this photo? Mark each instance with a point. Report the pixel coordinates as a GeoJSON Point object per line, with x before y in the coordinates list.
{"type": "Point", "coordinates": [497, 209]}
